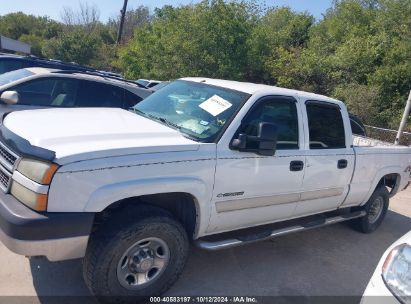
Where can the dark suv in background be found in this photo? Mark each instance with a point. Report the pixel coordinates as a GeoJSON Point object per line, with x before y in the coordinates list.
{"type": "Point", "coordinates": [34, 88]}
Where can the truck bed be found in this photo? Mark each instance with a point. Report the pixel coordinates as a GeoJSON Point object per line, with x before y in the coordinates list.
{"type": "Point", "coordinates": [375, 159]}
{"type": "Point", "coordinates": [362, 141]}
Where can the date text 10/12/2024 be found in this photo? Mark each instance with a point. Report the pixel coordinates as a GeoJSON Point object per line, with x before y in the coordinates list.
{"type": "Point", "coordinates": [204, 299]}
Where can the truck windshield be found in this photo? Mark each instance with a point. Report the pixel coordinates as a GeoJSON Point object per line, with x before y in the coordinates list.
{"type": "Point", "coordinates": [199, 110]}
{"type": "Point", "coordinates": [14, 75]}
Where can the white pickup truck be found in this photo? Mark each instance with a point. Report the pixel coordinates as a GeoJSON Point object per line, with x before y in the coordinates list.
{"type": "Point", "coordinates": [219, 163]}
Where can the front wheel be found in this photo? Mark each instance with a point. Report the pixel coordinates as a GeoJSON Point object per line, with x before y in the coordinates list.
{"type": "Point", "coordinates": [376, 209]}
{"type": "Point", "coordinates": [134, 257]}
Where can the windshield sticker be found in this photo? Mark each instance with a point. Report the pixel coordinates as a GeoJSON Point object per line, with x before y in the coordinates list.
{"type": "Point", "coordinates": [204, 123]}
{"type": "Point", "coordinates": [215, 105]}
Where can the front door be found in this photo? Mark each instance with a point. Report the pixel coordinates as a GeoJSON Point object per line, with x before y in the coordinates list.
{"type": "Point", "coordinates": [251, 189]}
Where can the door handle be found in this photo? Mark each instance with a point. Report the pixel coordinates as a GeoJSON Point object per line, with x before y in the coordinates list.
{"type": "Point", "coordinates": [296, 165]}
{"type": "Point", "coordinates": [342, 163]}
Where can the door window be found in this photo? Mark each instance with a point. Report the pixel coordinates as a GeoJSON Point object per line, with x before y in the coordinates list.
{"type": "Point", "coordinates": [55, 92]}
{"type": "Point", "coordinates": [98, 94]}
{"type": "Point", "coordinates": [131, 99]}
{"type": "Point", "coordinates": [281, 111]}
{"type": "Point", "coordinates": [325, 125]}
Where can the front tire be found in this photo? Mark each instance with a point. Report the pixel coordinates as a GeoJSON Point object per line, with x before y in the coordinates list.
{"type": "Point", "coordinates": [376, 209]}
{"type": "Point", "coordinates": [135, 255]}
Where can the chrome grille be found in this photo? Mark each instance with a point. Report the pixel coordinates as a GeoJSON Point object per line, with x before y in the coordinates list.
{"type": "Point", "coordinates": [7, 161]}
{"type": "Point", "coordinates": [7, 157]}
{"type": "Point", "coordinates": [5, 178]}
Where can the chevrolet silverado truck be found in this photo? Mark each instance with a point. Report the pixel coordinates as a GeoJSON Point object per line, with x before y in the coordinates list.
{"type": "Point", "coordinates": [213, 162]}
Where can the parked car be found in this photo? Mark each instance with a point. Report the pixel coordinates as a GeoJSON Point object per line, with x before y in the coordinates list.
{"type": "Point", "coordinates": [220, 163]}
{"type": "Point", "coordinates": [148, 83]}
{"type": "Point", "coordinates": [42, 87]}
{"type": "Point", "coordinates": [10, 62]}
{"type": "Point", "coordinates": [391, 281]}
{"type": "Point", "coordinates": [160, 85]}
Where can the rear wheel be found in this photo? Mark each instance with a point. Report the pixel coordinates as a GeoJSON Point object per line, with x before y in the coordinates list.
{"type": "Point", "coordinates": [134, 256]}
{"type": "Point", "coordinates": [376, 209]}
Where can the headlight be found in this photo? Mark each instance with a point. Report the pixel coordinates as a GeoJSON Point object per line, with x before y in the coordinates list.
{"type": "Point", "coordinates": [36, 201]}
{"type": "Point", "coordinates": [39, 171]}
{"type": "Point", "coordinates": [396, 272]}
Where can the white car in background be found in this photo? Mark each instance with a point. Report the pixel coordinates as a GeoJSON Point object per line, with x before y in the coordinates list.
{"type": "Point", "coordinates": [147, 83]}
{"type": "Point", "coordinates": [391, 281]}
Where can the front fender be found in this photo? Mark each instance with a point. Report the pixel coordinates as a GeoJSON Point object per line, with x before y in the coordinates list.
{"type": "Point", "coordinates": [106, 195]}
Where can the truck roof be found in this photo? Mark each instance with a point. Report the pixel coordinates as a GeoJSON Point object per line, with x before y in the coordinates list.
{"type": "Point", "coordinates": [253, 88]}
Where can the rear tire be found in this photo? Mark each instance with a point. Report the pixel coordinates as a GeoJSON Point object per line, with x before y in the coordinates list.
{"type": "Point", "coordinates": [376, 209]}
{"type": "Point", "coordinates": [135, 255]}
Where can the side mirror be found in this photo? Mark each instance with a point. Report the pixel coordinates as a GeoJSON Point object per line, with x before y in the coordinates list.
{"type": "Point", "coordinates": [264, 143]}
{"type": "Point", "coordinates": [10, 97]}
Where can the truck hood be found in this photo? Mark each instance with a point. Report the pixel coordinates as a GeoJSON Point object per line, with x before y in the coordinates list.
{"type": "Point", "coordinates": [77, 134]}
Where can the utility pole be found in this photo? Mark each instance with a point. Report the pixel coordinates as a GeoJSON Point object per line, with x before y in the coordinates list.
{"type": "Point", "coordinates": [404, 120]}
{"type": "Point", "coordinates": [123, 15]}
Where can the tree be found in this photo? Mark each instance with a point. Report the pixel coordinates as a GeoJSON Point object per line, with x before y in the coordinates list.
{"type": "Point", "coordinates": [207, 39]}
{"type": "Point", "coordinates": [360, 53]}
{"type": "Point", "coordinates": [73, 46]}
{"type": "Point", "coordinates": [84, 39]}
{"type": "Point", "coordinates": [87, 16]}
{"type": "Point", "coordinates": [134, 18]}
{"type": "Point", "coordinates": [278, 29]}
{"type": "Point", "coordinates": [31, 29]}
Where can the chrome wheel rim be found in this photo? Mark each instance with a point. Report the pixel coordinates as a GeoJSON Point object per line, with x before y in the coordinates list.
{"type": "Point", "coordinates": [375, 210]}
{"type": "Point", "coordinates": [142, 263]}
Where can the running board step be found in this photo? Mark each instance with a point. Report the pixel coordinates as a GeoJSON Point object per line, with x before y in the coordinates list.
{"type": "Point", "coordinates": [237, 241]}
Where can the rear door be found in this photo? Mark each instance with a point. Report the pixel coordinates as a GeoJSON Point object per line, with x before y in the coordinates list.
{"type": "Point", "coordinates": [329, 158]}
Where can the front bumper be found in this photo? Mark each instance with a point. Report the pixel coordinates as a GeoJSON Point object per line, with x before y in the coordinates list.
{"type": "Point", "coordinates": [377, 293]}
{"type": "Point", "coordinates": [58, 236]}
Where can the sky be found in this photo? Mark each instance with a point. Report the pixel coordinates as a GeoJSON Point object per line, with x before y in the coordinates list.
{"type": "Point", "coordinates": [110, 8]}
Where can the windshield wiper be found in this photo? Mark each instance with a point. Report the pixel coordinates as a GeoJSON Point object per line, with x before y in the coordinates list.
{"type": "Point", "coordinates": [137, 111]}
{"type": "Point", "coordinates": [157, 118]}
{"type": "Point", "coordinates": [169, 123]}
{"type": "Point", "coordinates": [164, 121]}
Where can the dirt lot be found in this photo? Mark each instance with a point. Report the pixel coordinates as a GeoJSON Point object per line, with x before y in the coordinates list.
{"type": "Point", "coordinates": [334, 260]}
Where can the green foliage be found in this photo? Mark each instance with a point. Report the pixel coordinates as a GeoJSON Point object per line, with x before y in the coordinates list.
{"type": "Point", "coordinates": [208, 39]}
{"type": "Point", "coordinates": [133, 18]}
{"type": "Point", "coordinates": [76, 45]}
{"type": "Point", "coordinates": [30, 29]}
{"type": "Point", "coordinates": [277, 31]}
{"type": "Point", "coordinates": [359, 52]}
